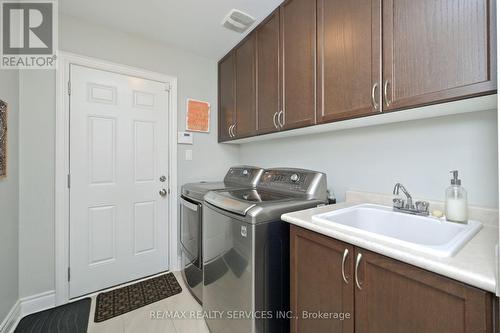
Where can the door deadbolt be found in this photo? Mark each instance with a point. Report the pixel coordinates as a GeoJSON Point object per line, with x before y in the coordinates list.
{"type": "Point", "coordinates": [163, 179]}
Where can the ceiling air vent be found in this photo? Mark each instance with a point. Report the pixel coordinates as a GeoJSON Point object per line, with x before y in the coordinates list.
{"type": "Point", "coordinates": [238, 21]}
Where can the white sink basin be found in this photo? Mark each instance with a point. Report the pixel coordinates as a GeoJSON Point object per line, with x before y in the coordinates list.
{"type": "Point", "coordinates": [424, 234]}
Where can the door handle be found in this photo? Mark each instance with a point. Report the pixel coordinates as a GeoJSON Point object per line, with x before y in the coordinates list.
{"type": "Point", "coordinates": [274, 120]}
{"type": "Point", "coordinates": [163, 192]}
{"type": "Point", "coordinates": [281, 118]}
{"type": "Point", "coordinates": [386, 94]}
{"type": "Point", "coordinates": [189, 205]}
{"type": "Point", "coordinates": [344, 257]}
{"type": "Point", "coordinates": [358, 260]}
{"type": "Point", "coordinates": [374, 102]}
{"type": "Point", "coordinates": [234, 129]}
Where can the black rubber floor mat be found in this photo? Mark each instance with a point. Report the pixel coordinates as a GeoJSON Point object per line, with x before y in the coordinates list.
{"type": "Point", "coordinates": [68, 318]}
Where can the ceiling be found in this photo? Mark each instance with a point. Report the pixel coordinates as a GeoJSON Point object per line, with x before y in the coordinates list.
{"type": "Point", "coordinates": [191, 25]}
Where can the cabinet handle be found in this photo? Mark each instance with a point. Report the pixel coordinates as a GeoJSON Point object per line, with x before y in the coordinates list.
{"type": "Point", "coordinates": [281, 118]}
{"type": "Point", "coordinates": [274, 120]}
{"type": "Point", "coordinates": [344, 257]}
{"type": "Point", "coordinates": [386, 88]}
{"type": "Point", "coordinates": [358, 260]}
{"type": "Point", "coordinates": [374, 102]}
{"type": "Point", "coordinates": [234, 130]}
{"type": "Point", "coordinates": [231, 131]}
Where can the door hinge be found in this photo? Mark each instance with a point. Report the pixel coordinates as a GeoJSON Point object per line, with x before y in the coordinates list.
{"type": "Point", "coordinates": [69, 181]}
{"type": "Point", "coordinates": [69, 274]}
{"type": "Point", "coordinates": [69, 88]}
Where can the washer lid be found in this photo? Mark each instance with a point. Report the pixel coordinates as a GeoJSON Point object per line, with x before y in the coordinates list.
{"type": "Point", "coordinates": [241, 201]}
{"type": "Point", "coordinates": [198, 190]}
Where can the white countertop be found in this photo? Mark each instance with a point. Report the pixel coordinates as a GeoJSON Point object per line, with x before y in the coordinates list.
{"type": "Point", "coordinates": [474, 264]}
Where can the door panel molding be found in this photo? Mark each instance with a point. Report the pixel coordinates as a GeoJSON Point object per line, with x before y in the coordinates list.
{"type": "Point", "coordinates": [62, 178]}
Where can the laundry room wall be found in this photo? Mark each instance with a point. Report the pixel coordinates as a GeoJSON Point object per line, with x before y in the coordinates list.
{"type": "Point", "coordinates": [9, 197]}
{"type": "Point", "coordinates": [418, 154]}
{"type": "Point", "coordinates": [197, 78]}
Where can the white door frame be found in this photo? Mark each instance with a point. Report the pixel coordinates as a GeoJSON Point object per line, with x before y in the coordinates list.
{"type": "Point", "coordinates": [62, 160]}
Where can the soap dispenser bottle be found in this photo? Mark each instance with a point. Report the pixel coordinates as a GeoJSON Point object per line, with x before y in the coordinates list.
{"type": "Point", "coordinates": [456, 208]}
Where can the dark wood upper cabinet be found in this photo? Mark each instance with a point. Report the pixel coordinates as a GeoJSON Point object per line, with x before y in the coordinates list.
{"type": "Point", "coordinates": [396, 297]}
{"type": "Point", "coordinates": [319, 61]}
{"type": "Point", "coordinates": [317, 283]}
{"type": "Point", "coordinates": [437, 50]}
{"type": "Point", "coordinates": [298, 45]}
{"type": "Point", "coordinates": [349, 58]}
{"type": "Point", "coordinates": [227, 116]}
{"type": "Point", "coordinates": [268, 85]}
{"type": "Point", "coordinates": [245, 124]}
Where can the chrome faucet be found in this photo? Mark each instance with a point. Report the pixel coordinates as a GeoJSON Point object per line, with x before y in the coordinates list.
{"type": "Point", "coordinates": [399, 205]}
{"type": "Point", "coordinates": [409, 200]}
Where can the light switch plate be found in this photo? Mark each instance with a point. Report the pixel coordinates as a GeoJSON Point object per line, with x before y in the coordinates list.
{"type": "Point", "coordinates": [185, 138]}
{"type": "Point", "coordinates": [189, 155]}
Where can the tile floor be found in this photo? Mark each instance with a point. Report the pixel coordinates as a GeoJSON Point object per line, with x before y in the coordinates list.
{"type": "Point", "coordinates": [139, 321]}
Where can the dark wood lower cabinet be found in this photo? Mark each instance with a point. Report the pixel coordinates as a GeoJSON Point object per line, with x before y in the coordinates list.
{"type": "Point", "coordinates": [317, 283]}
{"type": "Point", "coordinates": [392, 296]}
{"type": "Point", "coordinates": [397, 297]}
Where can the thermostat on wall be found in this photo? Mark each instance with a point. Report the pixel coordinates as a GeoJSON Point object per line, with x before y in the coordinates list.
{"type": "Point", "coordinates": [185, 138]}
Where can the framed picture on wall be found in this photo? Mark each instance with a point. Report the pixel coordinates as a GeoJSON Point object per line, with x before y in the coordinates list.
{"type": "Point", "coordinates": [197, 116]}
{"type": "Point", "coordinates": [3, 138]}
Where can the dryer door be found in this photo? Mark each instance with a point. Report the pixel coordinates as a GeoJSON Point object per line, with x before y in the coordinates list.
{"type": "Point", "coordinates": [191, 230]}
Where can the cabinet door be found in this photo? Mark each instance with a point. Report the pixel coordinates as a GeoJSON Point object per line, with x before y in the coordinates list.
{"type": "Point", "coordinates": [268, 96]}
{"type": "Point", "coordinates": [317, 283]}
{"type": "Point", "coordinates": [437, 50]}
{"type": "Point", "coordinates": [400, 298]}
{"type": "Point", "coordinates": [298, 46]}
{"type": "Point", "coordinates": [245, 88]}
{"type": "Point", "coordinates": [349, 58]}
{"type": "Point", "coordinates": [226, 96]}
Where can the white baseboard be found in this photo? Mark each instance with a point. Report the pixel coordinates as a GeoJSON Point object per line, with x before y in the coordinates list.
{"type": "Point", "coordinates": [26, 306]}
{"type": "Point", "coordinates": [9, 324]}
{"type": "Point", "coordinates": [38, 302]}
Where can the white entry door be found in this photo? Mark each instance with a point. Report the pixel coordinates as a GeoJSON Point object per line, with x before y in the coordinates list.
{"type": "Point", "coordinates": [118, 167]}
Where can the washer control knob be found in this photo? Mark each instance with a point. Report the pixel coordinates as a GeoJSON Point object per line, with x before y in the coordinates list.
{"type": "Point", "coordinates": [245, 172]}
{"type": "Point", "coordinates": [294, 178]}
